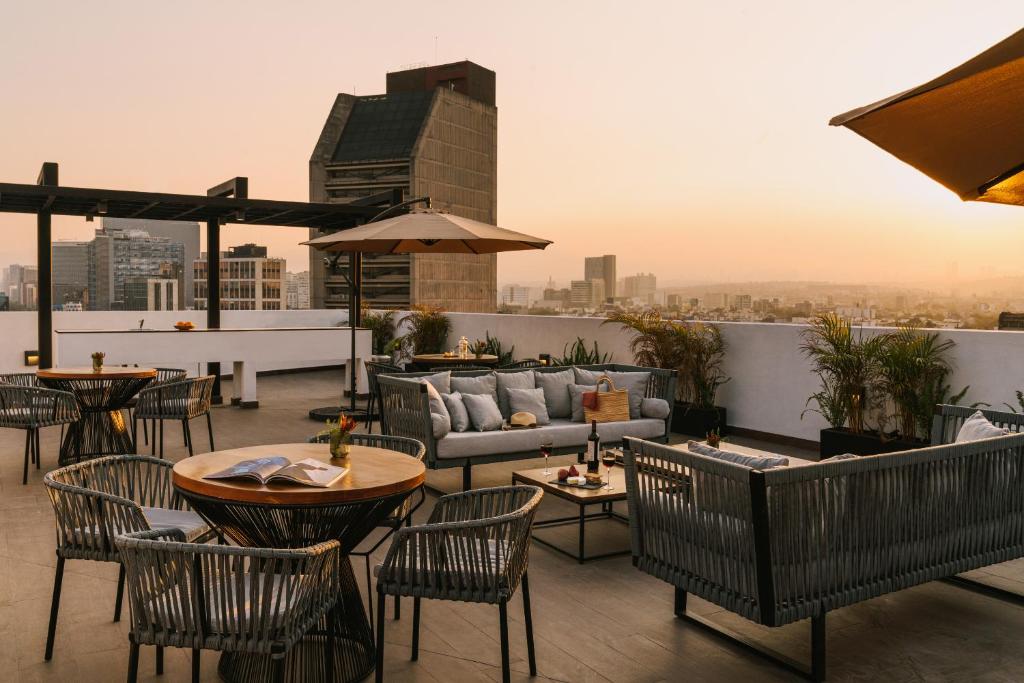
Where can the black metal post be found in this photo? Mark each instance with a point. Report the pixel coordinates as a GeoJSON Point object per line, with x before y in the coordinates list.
{"type": "Point", "coordinates": [355, 315]}
{"type": "Point", "coordinates": [213, 297]}
{"type": "Point", "coordinates": [44, 262]}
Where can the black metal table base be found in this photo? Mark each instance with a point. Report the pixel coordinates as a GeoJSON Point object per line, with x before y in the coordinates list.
{"type": "Point", "coordinates": [607, 512]}
{"type": "Point", "coordinates": [96, 434]}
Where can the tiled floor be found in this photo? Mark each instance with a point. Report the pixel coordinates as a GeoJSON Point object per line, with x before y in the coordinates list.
{"type": "Point", "coordinates": [600, 621]}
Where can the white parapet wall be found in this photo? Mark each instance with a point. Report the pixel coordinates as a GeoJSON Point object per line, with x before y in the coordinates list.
{"type": "Point", "coordinates": [771, 379]}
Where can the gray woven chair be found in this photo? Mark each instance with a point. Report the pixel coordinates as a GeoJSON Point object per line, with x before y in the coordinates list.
{"type": "Point", "coordinates": [402, 515]}
{"type": "Point", "coordinates": [96, 500]}
{"type": "Point", "coordinates": [26, 406]}
{"type": "Point", "coordinates": [183, 401]}
{"type": "Point", "coordinates": [474, 548]}
{"type": "Point", "coordinates": [526, 363]}
{"type": "Point", "coordinates": [458, 366]}
{"type": "Point", "coordinates": [372, 370]}
{"type": "Point", "coordinates": [258, 601]}
{"type": "Point", "coordinates": [163, 376]}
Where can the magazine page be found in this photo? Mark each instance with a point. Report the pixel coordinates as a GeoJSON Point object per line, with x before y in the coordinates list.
{"type": "Point", "coordinates": [257, 469]}
{"type": "Point", "coordinates": [309, 472]}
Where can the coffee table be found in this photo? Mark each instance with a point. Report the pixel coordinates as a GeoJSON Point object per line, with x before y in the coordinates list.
{"type": "Point", "coordinates": [583, 498]}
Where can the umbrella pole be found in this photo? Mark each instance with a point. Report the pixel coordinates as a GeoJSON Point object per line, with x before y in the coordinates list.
{"type": "Point", "coordinates": [355, 314]}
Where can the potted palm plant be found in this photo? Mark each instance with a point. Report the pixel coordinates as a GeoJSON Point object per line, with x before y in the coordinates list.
{"type": "Point", "coordinates": [428, 332]}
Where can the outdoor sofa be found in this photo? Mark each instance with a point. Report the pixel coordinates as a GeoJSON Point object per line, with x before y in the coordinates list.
{"type": "Point", "coordinates": [405, 411]}
{"type": "Point", "coordinates": [781, 544]}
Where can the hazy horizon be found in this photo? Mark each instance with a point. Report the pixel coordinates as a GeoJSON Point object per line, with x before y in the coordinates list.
{"type": "Point", "coordinates": [690, 140]}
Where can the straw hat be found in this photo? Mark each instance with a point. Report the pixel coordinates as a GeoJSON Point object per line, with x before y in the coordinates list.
{"type": "Point", "coordinates": [522, 420]}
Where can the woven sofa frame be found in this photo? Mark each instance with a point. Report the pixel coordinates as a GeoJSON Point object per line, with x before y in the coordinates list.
{"type": "Point", "coordinates": [787, 544]}
{"type": "Point", "coordinates": [405, 411]}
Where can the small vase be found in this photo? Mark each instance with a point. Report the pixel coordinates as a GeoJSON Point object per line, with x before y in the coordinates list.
{"type": "Point", "coordinates": [340, 447]}
{"type": "Point", "coordinates": [97, 365]}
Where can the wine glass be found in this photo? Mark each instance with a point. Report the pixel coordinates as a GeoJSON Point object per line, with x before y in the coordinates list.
{"type": "Point", "coordinates": [608, 460]}
{"type": "Point", "coordinates": [545, 450]}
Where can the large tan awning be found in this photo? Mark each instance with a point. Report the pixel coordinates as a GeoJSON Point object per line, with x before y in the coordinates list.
{"type": "Point", "coordinates": [965, 129]}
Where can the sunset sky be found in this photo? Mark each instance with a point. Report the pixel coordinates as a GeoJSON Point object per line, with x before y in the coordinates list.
{"type": "Point", "coordinates": [689, 138]}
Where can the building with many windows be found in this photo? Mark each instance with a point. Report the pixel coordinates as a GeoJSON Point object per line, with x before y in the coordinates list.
{"type": "Point", "coordinates": [20, 284]}
{"type": "Point", "coordinates": [119, 256]}
{"type": "Point", "coordinates": [586, 293]}
{"type": "Point", "coordinates": [601, 268]}
{"type": "Point", "coordinates": [297, 297]}
{"type": "Point", "coordinates": [433, 133]}
{"type": "Point", "coordinates": [249, 280]}
{"type": "Point", "coordinates": [70, 260]}
{"type": "Point", "coordinates": [185, 233]}
{"type": "Point", "coordinates": [640, 286]}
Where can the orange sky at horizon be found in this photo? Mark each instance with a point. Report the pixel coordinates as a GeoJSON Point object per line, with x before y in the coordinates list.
{"type": "Point", "coordinates": [689, 139]}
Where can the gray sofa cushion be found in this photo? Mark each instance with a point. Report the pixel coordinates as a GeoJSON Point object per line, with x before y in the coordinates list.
{"type": "Point", "coordinates": [633, 382]}
{"type": "Point", "coordinates": [556, 391]}
{"type": "Point", "coordinates": [530, 401]}
{"type": "Point", "coordinates": [560, 433]}
{"type": "Point", "coordinates": [576, 399]}
{"type": "Point", "coordinates": [751, 461]}
{"type": "Point", "coordinates": [483, 412]}
{"type": "Point", "coordinates": [456, 411]}
{"type": "Point", "coordinates": [657, 408]}
{"type": "Point", "coordinates": [511, 380]}
{"type": "Point", "coordinates": [440, 420]}
{"type": "Point", "coordinates": [440, 381]}
{"type": "Point", "coordinates": [976, 427]}
{"type": "Point", "coordinates": [484, 384]}
{"type": "Point", "coordinates": [440, 425]}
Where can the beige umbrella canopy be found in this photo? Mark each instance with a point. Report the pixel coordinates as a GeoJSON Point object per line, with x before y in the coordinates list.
{"type": "Point", "coordinates": [965, 129]}
{"type": "Point", "coordinates": [427, 232]}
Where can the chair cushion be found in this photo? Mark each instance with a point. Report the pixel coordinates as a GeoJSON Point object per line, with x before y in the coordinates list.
{"type": "Point", "coordinates": [456, 411]}
{"type": "Point", "coordinates": [483, 384]}
{"type": "Point", "coordinates": [976, 427]}
{"type": "Point", "coordinates": [483, 412]}
{"type": "Point", "coordinates": [522, 379]}
{"type": "Point", "coordinates": [529, 401]}
{"type": "Point", "coordinates": [560, 433]}
{"type": "Point", "coordinates": [556, 391]}
{"type": "Point", "coordinates": [751, 461]}
{"type": "Point", "coordinates": [633, 382]}
{"type": "Point", "coordinates": [187, 521]}
{"type": "Point", "coordinates": [655, 407]}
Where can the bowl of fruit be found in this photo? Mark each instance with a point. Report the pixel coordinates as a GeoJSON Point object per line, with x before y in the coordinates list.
{"type": "Point", "coordinates": [184, 326]}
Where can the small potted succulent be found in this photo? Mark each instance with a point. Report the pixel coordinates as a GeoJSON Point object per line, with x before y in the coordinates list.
{"type": "Point", "coordinates": [97, 361]}
{"type": "Point", "coordinates": [339, 433]}
{"type": "Point", "coordinates": [480, 347]}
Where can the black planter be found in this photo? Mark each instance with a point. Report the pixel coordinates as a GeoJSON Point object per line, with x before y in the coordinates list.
{"type": "Point", "coordinates": [839, 441]}
{"type": "Point", "coordinates": [689, 419]}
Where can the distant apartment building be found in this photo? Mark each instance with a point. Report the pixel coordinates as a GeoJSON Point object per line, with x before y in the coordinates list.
{"type": "Point", "coordinates": [250, 280]}
{"type": "Point", "coordinates": [119, 256]}
{"type": "Point", "coordinates": [640, 286]}
{"type": "Point", "coordinates": [716, 300]}
{"type": "Point", "coordinates": [152, 294]}
{"type": "Point", "coordinates": [674, 300]}
{"type": "Point", "coordinates": [185, 233]}
{"type": "Point", "coordinates": [297, 296]}
{"type": "Point", "coordinates": [70, 259]}
{"type": "Point", "coordinates": [602, 268]}
{"type": "Point", "coordinates": [21, 285]}
{"type": "Point", "coordinates": [742, 302]}
{"type": "Point", "coordinates": [514, 295]}
{"type": "Point", "coordinates": [586, 293]}
{"type": "Point", "coordinates": [433, 133]}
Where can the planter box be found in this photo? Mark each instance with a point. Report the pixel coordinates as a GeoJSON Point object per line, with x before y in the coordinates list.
{"type": "Point", "coordinates": [839, 441]}
{"type": "Point", "coordinates": [697, 422]}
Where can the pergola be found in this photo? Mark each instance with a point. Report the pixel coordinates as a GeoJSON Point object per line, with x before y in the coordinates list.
{"type": "Point", "coordinates": [226, 203]}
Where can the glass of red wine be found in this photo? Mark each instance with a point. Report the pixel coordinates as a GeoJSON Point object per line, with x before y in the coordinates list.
{"type": "Point", "coordinates": [545, 450]}
{"type": "Point", "coordinates": [608, 460]}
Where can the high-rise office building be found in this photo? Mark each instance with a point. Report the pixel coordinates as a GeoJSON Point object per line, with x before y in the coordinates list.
{"type": "Point", "coordinates": [602, 268]}
{"type": "Point", "coordinates": [183, 232]}
{"type": "Point", "coordinates": [433, 133]}
{"type": "Point", "coordinates": [742, 302]}
{"type": "Point", "coordinates": [70, 272]}
{"type": "Point", "coordinates": [20, 284]}
{"type": "Point", "coordinates": [117, 256]}
{"type": "Point", "coordinates": [640, 286]}
{"type": "Point", "coordinates": [514, 295]}
{"type": "Point", "coordinates": [586, 293]}
{"type": "Point", "coordinates": [297, 297]}
{"type": "Point", "coordinates": [249, 280]}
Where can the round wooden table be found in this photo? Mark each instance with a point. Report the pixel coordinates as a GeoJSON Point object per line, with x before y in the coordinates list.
{"type": "Point", "coordinates": [102, 429]}
{"type": "Point", "coordinates": [426, 361]}
{"type": "Point", "coordinates": [295, 516]}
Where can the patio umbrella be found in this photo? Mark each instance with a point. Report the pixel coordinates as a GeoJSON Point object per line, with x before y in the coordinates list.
{"type": "Point", "coordinates": [418, 232]}
{"type": "Point", "coordinates": [964, 129]}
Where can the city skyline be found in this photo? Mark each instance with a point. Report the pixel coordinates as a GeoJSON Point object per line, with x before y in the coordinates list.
{"type": "Point", "coordinates": [706, 173]}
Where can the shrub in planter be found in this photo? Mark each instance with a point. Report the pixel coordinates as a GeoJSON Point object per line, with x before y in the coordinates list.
{"type": "Point", "coordinates": [428, 332]}
{"type": "Point", "coordinates": [382, 328]}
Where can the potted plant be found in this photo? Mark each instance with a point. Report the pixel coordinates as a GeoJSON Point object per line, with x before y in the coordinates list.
{"type": "Point", "coordinates": [382, 328]}
{"type": "Point", "coordinates": [579, 354]}
{"type": "Point", "coordinates": [97, 361]}
{"type": "Point", "coordinates": [339, 433]}
{"type": "Point", "coordinates": [428, 333]}
{"type": "Point", "coordinates": [492, 345]}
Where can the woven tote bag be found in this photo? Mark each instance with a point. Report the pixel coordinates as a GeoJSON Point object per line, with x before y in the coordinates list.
{"type": "Point", "coordinates": [610, 406]}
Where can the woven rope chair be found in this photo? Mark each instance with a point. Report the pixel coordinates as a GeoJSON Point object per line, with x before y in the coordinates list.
{"type": "Point", "coordinates": [458, 366]}
{"type": "Point", "coordinates": [96, 500]}
{"type": "Point", "coordinates": [402, 515]}
{"type": "Point", "coordinates": [22, 379]}
{"type": "Point", "coordinates": [28, 407]}
{"type": "Point", "coordinates": [474, 548]}
{"type": "Point", "coordinates": [372, 370]}
{"type": "Point", "coordinates": [182, 400]}
{"type": "Point", "coordinates": [226, 598]}
{"type": "Point", "coordinates": [163, 376]}
{"type": "Point", "coordinates": [527, 363]}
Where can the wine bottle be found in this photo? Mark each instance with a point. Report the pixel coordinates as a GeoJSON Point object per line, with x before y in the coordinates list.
{"type": "Point", "coordinates": [593, 448]}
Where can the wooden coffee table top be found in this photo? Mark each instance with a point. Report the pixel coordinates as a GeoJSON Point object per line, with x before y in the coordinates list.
{"type": "Point", "coordinates": [373, 473]}
{"type": "Point", "coordinates": [441, 359]}
{"type": "Point", "coordinates": [536, 477]}
{"type": "Point", "coordinates": [111, 372]}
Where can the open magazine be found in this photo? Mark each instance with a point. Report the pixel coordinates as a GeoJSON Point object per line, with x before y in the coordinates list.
{"type": "Point", "coordinates": [308, 472]}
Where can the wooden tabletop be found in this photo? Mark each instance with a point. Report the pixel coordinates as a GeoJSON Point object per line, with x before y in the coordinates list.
{"type": "Point", "coordinates": [575, 494]}
{"type": "Point", "coordinates": [441, 359]}
{"type": "Point", "coordinates": [373, 473]}
{"type": "Point", "coordinates": [106, 372]}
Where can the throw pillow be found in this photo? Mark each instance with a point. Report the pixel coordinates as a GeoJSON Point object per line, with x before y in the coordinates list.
{"type": "Point", "coordinates": [633, 382]}
{"type": "Point", "coordinates": [576, 400]}
{"type": "Point", "coordinates": [439, 426]}
{"type": "Point", "coordinates": [511, 380]}
{"type": "Point", "coordinates": [976, 427]}
{"type": "Point", "coordinates": [556, 394]}
{"type": "Point", "coordinates": [841, 456]}
{"type": "Point", "coordinates": [440, 380]}
{"type": "Point", "coordinates": [457, 411]}
{"type": "Point", "coordinates": [443, 423]}
{"type": "Point", "coordinates": [658, 408]}
{"type": "Point", "coordinates": [482, 384]}
{"type": "Point", "coordinates": [529, 401]}
{"type": "Point", "coordinates": [483, 412]}
{"type": "Point", "coordinates": [751, 461]}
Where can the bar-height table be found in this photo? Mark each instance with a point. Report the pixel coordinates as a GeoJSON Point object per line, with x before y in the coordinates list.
{"type": "Point", "coordinates": [294, 516]}
{"type": "Point", "coordinates": [102, 429]}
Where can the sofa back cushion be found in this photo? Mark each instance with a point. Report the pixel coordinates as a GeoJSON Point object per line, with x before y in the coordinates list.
{"type": "Point", "coordinates": [556, 391]}
{"type": "Point", "coordinates": [977, 426]}
{"type": "Point", "coordinates": [483, 412]}
{"type": "Point", "coordinates": [576, 399]}
{"type": "Point", "coordinates": [529, 401]}
{"type": "Point", "coordinates": [522, 379]}
{"type": "Point", "coordinates": [482, 384]}
{"type": "Point", "coordinates": [751, 461]}
{"type": "Point", "coordinates": [633, 382]}
{"type": "Point", "coordinates": [440, 381]}
{"type": "Point", "coordinates": [657, 408]}
{"type": "Point", "coordinates": [456, 411]}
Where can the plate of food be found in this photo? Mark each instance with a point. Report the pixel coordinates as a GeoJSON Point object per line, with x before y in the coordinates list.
{"type": "Point", "coordinates": [184, 326]}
